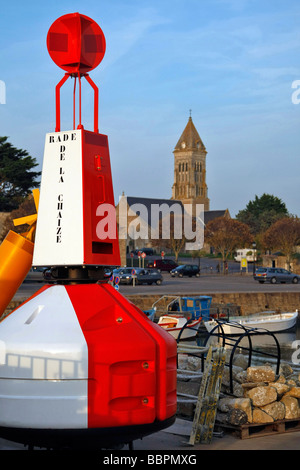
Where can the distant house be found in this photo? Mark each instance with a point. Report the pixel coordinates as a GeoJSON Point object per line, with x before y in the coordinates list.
{"type": "Point", "coordinates": [139, 218]}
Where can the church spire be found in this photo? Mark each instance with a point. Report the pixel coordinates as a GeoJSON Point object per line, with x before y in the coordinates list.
{"type": "Point", "coordinates": [190, 168]}
{"type": "Point", "coordinates": [190, 138]}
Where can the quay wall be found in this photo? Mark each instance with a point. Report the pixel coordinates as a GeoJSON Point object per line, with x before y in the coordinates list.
{"type": "Point", "coordinates": [252, 302]}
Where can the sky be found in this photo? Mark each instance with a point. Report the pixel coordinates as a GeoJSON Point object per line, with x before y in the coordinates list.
{"type": "Point", "coordinates": [233, 63]}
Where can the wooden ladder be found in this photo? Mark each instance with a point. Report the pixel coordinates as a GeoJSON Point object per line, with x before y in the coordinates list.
{"type": "Point", "coordinates": [208, 396]}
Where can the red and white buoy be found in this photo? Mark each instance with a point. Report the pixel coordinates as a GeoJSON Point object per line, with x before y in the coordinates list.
{"type": "Point", "coordinates": [80, 365]}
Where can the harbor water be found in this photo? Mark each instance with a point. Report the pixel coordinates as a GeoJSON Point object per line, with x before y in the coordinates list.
{"type": "Point", "coordinates": [264, 347]}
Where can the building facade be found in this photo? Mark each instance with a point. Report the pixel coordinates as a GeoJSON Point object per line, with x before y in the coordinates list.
{"type": "Point", "coordinates": [189, 188]}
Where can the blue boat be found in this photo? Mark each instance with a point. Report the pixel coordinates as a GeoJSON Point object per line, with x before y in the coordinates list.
{"type": "Point", "coordinates": [192, 307]}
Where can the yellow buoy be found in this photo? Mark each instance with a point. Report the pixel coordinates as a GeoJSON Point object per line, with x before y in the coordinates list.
{"type": "Point", "coordinates": [16, 253]}
{"type": "Point", "coordinates": [15, 261]}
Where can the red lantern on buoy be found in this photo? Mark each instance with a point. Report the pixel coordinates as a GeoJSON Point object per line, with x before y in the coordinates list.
{"type": "Point", "coordinates": [76, 43]}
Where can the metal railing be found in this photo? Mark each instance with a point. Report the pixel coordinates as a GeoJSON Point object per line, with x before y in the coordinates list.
{"type": "Point", "coordinates": [234, 342]}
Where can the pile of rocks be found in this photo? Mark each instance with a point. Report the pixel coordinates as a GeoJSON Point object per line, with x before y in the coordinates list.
{"type": "Point", "coordinates": [260, 396]}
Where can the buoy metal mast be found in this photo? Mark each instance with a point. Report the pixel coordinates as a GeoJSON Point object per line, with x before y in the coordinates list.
{"type": "Point", "coordinates": [80, 366]}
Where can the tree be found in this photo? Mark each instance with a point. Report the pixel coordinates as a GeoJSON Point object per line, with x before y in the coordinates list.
{"type": "Point", "coordinates": [226, 235]}
{"type": "Point", "coordinates": [27, 207]}
{"type": "Point", "coordinates": [17, 177]}
{"type": "Point", "coordinates": [176, 239]}
{"type": "Point", "coordinates": [262, 212]}
{"type": "Point", "coordinates": [176, 231]}
{"type": "Point", "coordinates": [284, 236]}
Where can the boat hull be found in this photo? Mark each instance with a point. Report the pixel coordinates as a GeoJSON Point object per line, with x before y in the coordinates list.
{"type": "Point", "coordinates": [174, 326]}
{"type": "Point", "coordinates": [273, 323]}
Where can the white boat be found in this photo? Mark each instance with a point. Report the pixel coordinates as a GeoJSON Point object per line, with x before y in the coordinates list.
{"type": "Point", "coordinates": [272, 322]}
{"type": "Point", "coordinates": [173, 324]}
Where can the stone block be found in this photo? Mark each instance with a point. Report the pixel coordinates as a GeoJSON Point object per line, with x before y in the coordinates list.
{"type": "Point", "coordinates": [244, 404]}
{"type": "Point", "coordinates": [292, 410]}
{"type": "Point", "coordinates": [275, 409]}
{"type": "Point", "coordinates": [261, 396]}
{"type": "Point", "coordinates": [293, 392]}
{"type": "Point", "coordinates": [285, 369]}
{"type": "Point", "coordinates": [261, 417]}
{"type": "Point", "coordinates": [260, 374]}
{"type": "Point", "coordinates": [281, 388]}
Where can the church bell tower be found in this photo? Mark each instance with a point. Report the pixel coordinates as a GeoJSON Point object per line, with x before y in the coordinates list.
{"type": "Point", "coordinates": [190, 168]}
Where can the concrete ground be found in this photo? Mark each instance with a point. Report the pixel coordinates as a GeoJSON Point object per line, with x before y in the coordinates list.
{"type": "Point", "coordinates": [176, 439]}
{"type": "Point", "coordinates": [166, 440]}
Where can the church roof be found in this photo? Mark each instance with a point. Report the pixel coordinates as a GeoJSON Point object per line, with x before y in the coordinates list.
{"type": "Point", "coordinates": [211, 215]}
{"type": "Point", "coordinates": [147, 202]}
{"type": "Point", "coordinates": [190, 138]}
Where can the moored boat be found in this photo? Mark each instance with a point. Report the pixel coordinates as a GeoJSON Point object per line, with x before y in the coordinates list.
{"type": "Point", "coordinates": [175, 313]}
{"type": "Point", "coordinates": [175, 323]}
{"type": "Point", "coordinates": [194, 307]}
{"type": "Point", "coordinates": [272, 322]}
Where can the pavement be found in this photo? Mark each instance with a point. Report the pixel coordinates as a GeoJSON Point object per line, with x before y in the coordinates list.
{"type": "Point", "coordinates": [205, 284]}
{"type": "Point", "coordinates": [176, 440]}
{"type": "Point", "coordinates": [170, 439]}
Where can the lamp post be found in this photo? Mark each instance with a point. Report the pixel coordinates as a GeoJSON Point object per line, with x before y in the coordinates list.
{"type": "Point", "coordinates": [254, 256]}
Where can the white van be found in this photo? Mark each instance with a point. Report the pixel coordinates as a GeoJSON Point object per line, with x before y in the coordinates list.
{"type": "Point", "coordinates": [243, 253]}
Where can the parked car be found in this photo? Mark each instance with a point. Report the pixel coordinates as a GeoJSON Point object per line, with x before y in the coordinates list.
{"type": "Point", "coordinates": [148, 276]}
{"type": "Point", "coordinates": [124, 274]}
{"type": "Point", "coordinates": [162, 264]}
{"type": "Point", "coordinates": [186, 270]}
{"type": "Point", "coordinates": [36, 274]}
{"type": "Point", "coordinates": [141, 276]}
{"type": "Point", "coordinates": [274, 275]}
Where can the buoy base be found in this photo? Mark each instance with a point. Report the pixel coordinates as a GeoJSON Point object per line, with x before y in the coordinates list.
{"type": "Point", "coordinates": [80, 364]}
{"type": "Point", "coordinates": [83, 439]}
